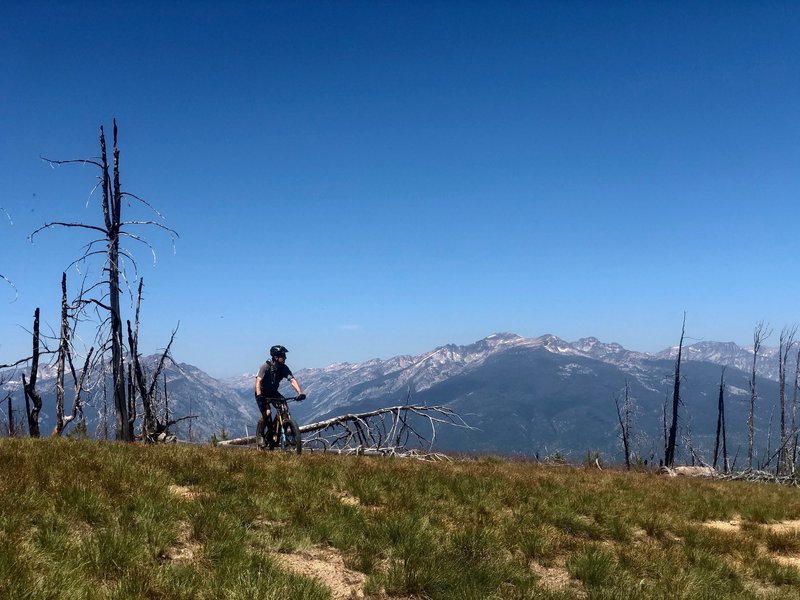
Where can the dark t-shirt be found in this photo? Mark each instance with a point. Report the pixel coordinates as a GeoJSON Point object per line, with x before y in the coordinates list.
{"type": "Point", "coordinates": [271, 375]}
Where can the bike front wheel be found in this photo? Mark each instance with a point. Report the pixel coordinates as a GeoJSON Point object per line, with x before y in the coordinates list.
{"type": "Point", "coordinates": [289, 437]}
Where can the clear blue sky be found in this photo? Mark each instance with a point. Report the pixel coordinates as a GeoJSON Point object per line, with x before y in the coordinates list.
{"type": "Point", "coordinates": [365, 179]}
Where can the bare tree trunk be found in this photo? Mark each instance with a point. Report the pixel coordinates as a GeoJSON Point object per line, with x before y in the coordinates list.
{"type": "Point", "coordinates": [767, 457]}
{"type": "Point", "coordinates": [624, 416]}
{"type": "Point", "coordinates": [786, 341]}
{"type": "Point", "coordinates": [190, 433]}
{"type": "Point", "coordinates": [150, 424]}
{"type": "Point", "coordinates": [166, 401]}
{"type": "Point", "coordinates": [794, 409]}
{"type": "Point", "coordinates": [112, 207]}
{"type": "Point", "coordinates": [63, 348]}
{"type": "Point", "coordinates": [689, 443]}
{"type": "Point", "coordinates": [10, 417]}
{"type": "Point", "coordinates": [669, 458]}
{"type": "Point", "coordinates": [721, 426]}
{"type": "Point", "coordinates": [132, 416]}
{"type": "Point", "coordinates": [664, 422]}
{"type": "Point", "coordinates": [77, 405]}
{"type": "Point", "coordinates": [104, 411]}
{"type": "Point", "coordinates": [33, 401]}
{"type": "Point", "coordinates": [760, 334]}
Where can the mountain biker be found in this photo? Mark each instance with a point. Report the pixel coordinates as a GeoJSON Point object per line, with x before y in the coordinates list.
{"type": "Point", "coordinates": [269, 377]}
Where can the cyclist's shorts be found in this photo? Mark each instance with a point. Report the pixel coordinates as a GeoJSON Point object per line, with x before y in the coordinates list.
{"type": "Point", "coordinates": [264, 402]}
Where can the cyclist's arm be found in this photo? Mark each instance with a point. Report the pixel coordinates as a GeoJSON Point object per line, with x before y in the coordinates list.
{"type": "Point", "coordinates": [258, 386]}
{"type": "Point", "coordinates": [296, 386]}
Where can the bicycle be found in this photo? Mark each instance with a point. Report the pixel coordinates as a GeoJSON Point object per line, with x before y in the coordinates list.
{"type": "Point", "coordinates": [285, 432]}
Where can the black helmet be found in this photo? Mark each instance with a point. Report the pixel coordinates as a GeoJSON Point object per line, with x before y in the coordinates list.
{"type": "Point", "coordinates": [278, 351]}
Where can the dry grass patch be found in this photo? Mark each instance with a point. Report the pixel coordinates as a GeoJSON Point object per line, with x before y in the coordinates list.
{"type": "Point", "coordinates": [183, 492]}
{"type": "Point", "coordinates": [326, 565]}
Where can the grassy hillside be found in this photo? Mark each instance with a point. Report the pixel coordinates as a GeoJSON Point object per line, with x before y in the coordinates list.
{"type": "Point", "coordinates": [84, 519]}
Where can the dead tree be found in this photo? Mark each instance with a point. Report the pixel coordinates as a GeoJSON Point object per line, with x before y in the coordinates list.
{"type": "Point", "coordinates": [11, 427]}
{"type": "Point", "coordinates": [391, 431]}
{"type": "Point", "coordinates": [760, 333]}
{"type": "Point", "coordinates": [61, 361]}
{"type": "Point", "coordinates": [664, 421]}
{"type": "Point", "coordinates": [669, 457]}
{"type": "Point", "coordinates": [767, 457]}
{"type": "Point", "coordinates": [624, 416]}
{"type": "Point", "coordinates": [785, 343]}
{"type": "Point", "coordinates": [794, 409]}
{"type": "Point", "coordinates": [33, 401]}
{"type": "Point", "coordinates": [64, 358]}
{"type": "Point", "coordinates": [721, 426]}
{"type": "Point", "coordinates": [688, 442]}
{"type": "Point", "coordinates": [152, 426]}
{"type": "Point", "coordinates": [112, 230]}
{"type": "Point", "coordinates": [7, 400]}
{"type": "Point", "coordinates": [102, 426]}
{"type": "Point", "coordinates": [65, 355]}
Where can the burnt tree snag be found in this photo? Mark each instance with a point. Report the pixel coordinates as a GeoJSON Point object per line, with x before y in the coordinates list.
{"type": "Point", "coordinates": [10, 417]}
{"type": "Point", "coordinates": [112, 230]}
{"type": "Point", "coordinates": [64, 357]}
{"type": "Point", "coordinates": [624, 416]}
{"type": "Point", "coordinates": [721, 426]}
{"type": "Point", "coordinates": [794, 408]}
{"type": "Point", "coordinates": [760, 333]}
{"type": "Point", "coordinates": [669, 457]}
{"type": "Point", "coordinates": [33, 401]}
{"type": "Point", "coordinates": [785, 343]}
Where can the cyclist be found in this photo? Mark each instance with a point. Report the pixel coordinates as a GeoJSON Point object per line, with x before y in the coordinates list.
{"type": "Point", "coordinates": [269, 378]}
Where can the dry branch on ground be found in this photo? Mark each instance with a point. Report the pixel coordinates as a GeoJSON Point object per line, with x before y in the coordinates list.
{"type": "Point", "coordinates": [391, 431]}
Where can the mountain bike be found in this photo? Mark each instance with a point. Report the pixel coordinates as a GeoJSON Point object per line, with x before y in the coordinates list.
{"type": "Point", "coordinates": [285, 432]}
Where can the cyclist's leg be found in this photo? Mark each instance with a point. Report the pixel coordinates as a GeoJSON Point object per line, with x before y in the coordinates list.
{"type": "Point", "coordinates": [276, 399]}
{"type": "Point", "coordinates": [264, 422]}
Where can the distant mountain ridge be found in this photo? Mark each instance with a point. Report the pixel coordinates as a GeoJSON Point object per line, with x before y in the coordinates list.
{"type": "Point", "coordinates": [553, 393]}
{"type": "Point", "coordinates": [331, 386]}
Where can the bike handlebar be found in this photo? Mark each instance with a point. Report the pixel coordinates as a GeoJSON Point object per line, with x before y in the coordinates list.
{"type": "Point", "coordinates": [298, 398]}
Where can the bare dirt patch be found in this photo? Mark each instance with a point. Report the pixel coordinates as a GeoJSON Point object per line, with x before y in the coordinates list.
{"type": "Point", "coordinates": [184, 550]}
{"type": "Point", "coordinates": [792, 526]}
{"type": "Point", "coordinates": [732, 525]}
{"type": "Point", "coordinates": [326, 566]}
{"type": "Point", "coordinates": [735, 524]}
{"type": "Point", "coordinates": [555, 578]}
{"type": "Point", "coordinates": [787, 561]}
{"type": "Point", "coordinates": [348, 499]}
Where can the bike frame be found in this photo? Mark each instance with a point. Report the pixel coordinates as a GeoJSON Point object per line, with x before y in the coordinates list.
{"type": "Point", "coordinates": [282, 414]}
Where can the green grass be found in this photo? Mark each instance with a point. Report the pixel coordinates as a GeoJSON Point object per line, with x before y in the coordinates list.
{"type": "Point", "coordinates": [86, 519]}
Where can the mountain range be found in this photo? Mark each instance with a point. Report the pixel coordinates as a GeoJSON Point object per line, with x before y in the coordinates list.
{"type": "Point", "coordinates": [533, 396]}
